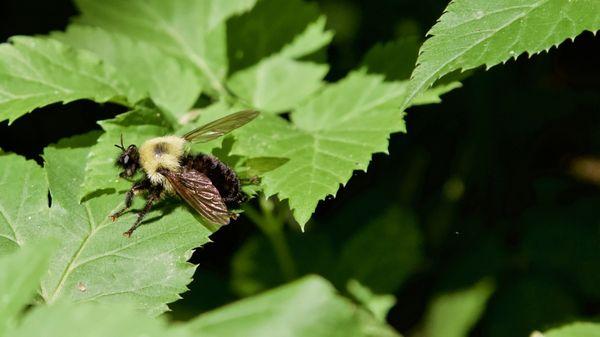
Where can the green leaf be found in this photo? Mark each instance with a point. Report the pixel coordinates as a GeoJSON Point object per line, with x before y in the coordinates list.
{"type": "Point", "coordinates": [307, 307]}
{"type": "Point", "coordinates": [393, 243]}
{"type": "Point", "coordinates": [333, 134]}
{"type": "Point", "coordinates": [472, 33]}
{"type": "Point", "coordinates": [277, 84]}
{"type": "Point", "coordinates": [260, 265]}
{"type": "Point", "coordinates": [378, 305]}
{"type": "Point", "coordinates": [579, 329]}
{"type": "Point", "coordinates": [95, 262]}
{"type": "Point", "coordinates": [149, 71]}
{"type": "Point", "coordinates": [454, 314]}
{"type": "Point", "coordinates": [24, 199]}
{"type": "Point", "coordinates": [101, 174]}
{"type": "Point", "coordinates": [290, 28]}
{"type": "Point", "coordinates": [194, 31]}
{"type": "Point", "coordinates": [35, 72]}
{"type": "Point", "coordinates": [395, 60]}
{"type": "Point", "coordinates": [20, 274]}
{"type": "Point", "coordinates": [93, 320]}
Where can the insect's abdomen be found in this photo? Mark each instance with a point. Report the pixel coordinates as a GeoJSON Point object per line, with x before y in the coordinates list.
{"type": "Point", "coordinates": [221, 175]}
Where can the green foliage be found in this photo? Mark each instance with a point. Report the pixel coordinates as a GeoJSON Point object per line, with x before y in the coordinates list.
{"type": "Point", "coordinates": [277, 84]}
{"type": "Point", "coordinates": [389, 261]}
{"type": "Point", "coordinates": [291, 28]}
{"type": "Point", "coordinates": [21, 272]}
{"type": "Point", "coordinates": [454, 314]}
{"type": "Point", "coordinates": [35, 72]}
{"type": "Point", "coordinates": [155, 74]}
{"type": "Point", "coordinates": [135, 127]}
{"type": "Point", "coordinates": [378, 305]}
{"type": "Point", "coordinates": [574, 330]}
{"type": "Point", "coordinates": [94, 262]}
{"type": "Point", "coordinates": [193, 31]}
{"type": "Point", "coordinates": [308, 307]}
{"type": "Point", "coordinates": [472, 33]}
{"type": "Point", "coordinates": [176, 65]}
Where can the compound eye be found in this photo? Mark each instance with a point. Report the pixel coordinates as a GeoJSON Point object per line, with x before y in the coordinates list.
{"type": "Point", "coordinates": [126, 159]}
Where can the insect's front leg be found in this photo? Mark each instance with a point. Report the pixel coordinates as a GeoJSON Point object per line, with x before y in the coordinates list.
{"type": "Point", "coordinates": [137, 187]}
{"type": "Point", "coordinates": [152, 197]}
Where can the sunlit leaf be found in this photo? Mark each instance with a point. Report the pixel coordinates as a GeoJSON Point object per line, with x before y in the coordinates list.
{"type": "Point", "coordinates": [148, 71]}
{"type": "Point", "coordinates": [35, 72]}
{"type": "Point", "coordinates": [472, 33]}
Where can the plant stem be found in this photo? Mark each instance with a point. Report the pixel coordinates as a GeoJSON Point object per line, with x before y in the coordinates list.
{"type": "Point", "coordinates": [272, 226]}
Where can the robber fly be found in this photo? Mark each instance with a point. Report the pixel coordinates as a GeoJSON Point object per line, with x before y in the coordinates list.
{"type": "Point", "coordinates": [204, 182]}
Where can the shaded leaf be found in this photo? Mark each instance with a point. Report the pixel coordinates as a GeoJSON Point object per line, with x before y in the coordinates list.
{"type": "Point", "coordinates": [293, 28]}
{"type": "Point", "coordinates": [307, 307]}
{"type": "Point", "coordinates": [35, 72]}
{"type": "Point", "coordinates": [579, 329]}
{"type": "Point", "coordinates": [396, 59]}
{"type": "Point", "coordinates": [454, 314]}
{"type": "Point", "coordinates": [378, 305]}
{"type": "Point", "coordinates": [388, 249]}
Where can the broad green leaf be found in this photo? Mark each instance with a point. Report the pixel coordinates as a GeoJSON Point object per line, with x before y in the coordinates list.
{"type": "Point", "coordinates": [149, 71]}
{"type": "Point", "coordinates": [291, 28]}
{"type": "Point", "coordinates": [378, 305]}
{"type": "Point", "coordinates": [20, 274]}
{"type": "Point", "coordinates": [472, 33]}
{"type": "Point", "coordinates": [393, 241]}
{"type": "Point", "coordinates": [95, 262]}
{"type": "Point", "coordinates": [35, 72]}
{"type": "Point", "coordinates": [332, 134]}
{"type": "Point", "coordinates": [24, 199]}
{"type": "Point", "coordinates": [191, 30]}
{"type": "Point", "coordinates": [307, 307]}
{"type": "Point", "coordinates": [93, 320]}
{"type": "Point", "coordinates": [277, 84]}
{"type": "Point", "coordinates": [454, 314]}
{"type": "Point", "coordinates": [101, 174]}
{"type": "Point", "coordinates": [579, 329]}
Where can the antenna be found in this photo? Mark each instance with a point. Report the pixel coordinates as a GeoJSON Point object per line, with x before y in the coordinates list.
{"type": "Point", "coordinates": [122, 147]}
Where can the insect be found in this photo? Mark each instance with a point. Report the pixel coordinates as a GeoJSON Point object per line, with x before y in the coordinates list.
{"type": "Point", "coordinates": [204, 182]}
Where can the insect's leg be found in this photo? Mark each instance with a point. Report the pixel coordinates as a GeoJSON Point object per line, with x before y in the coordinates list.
{"type": "Point", "coordinates": [139, 186]}
{"type": "Point", "coordinates": [154, 196]}
{"type": "Point", "coordinates": [254, 180]}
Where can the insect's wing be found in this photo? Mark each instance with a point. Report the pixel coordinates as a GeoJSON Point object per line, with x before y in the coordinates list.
{"type": "Point", "coordinates": [199, 192]}
{"type": "Point", "coordinates": [220, 127]}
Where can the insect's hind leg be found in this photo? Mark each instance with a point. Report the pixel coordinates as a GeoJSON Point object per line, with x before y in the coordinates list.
{"type": "Point", "coordinates": [139, 186]}
{"type": "Point", "coordinates": [154, 196]}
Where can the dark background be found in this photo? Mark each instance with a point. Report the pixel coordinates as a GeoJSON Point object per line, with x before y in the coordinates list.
{"type": "Point", "coordinates": [501, 177]}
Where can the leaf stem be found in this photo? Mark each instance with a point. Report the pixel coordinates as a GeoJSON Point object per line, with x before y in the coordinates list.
{"type": "Point", "coordinates": [272, 224]}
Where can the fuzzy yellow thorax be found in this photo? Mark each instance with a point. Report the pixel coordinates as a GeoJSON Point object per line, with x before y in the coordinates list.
{"type": "Point", "coordinates": [161, 152]}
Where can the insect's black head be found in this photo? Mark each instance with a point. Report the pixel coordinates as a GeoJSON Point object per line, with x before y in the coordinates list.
{"type": "Point", "coordinates": [128, 160]}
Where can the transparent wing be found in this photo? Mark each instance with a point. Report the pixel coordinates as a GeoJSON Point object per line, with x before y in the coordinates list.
{"type": "Point", "coordinates": [220, 127]}
{"type": "Point", "coordinates": [199, 192]}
